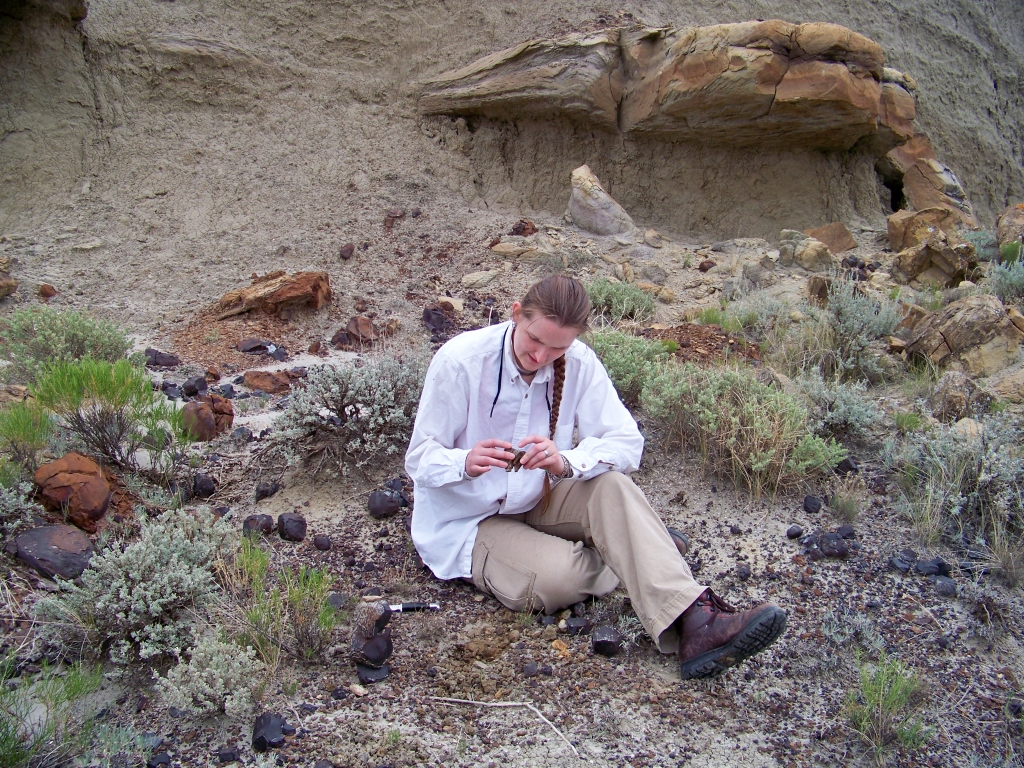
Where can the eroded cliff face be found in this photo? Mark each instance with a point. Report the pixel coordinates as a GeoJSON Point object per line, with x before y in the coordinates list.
{"type": "Point", "coordinates": [232, 123]}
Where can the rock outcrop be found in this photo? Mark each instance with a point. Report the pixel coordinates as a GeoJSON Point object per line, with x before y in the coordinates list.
{"type": "Point", "coordinates": [802, 250]}
{"type": "Point", "coordinates": [769, 83]}
{"type": "Point", "coordinates": [976, 330]}
{"type": "Point", "coordinates": [1010, 227]}
{"type": "Point", "coordinates": [940, 259]}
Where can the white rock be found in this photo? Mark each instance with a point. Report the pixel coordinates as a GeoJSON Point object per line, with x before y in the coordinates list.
{"type": "Point", "coordinates": [479, 279]}
{"type": "Point", "coordinates": [592, 209]}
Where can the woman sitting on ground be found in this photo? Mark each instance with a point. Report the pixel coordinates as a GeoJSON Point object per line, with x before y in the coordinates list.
{"type": "Point", "coordinates": [561, 522]}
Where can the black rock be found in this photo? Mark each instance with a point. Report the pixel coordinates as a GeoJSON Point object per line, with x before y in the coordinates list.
{"type": "Point", "coordinates": [157, 359]}
{"type": "Point", "coordinates": [368, 566]}
{"type": "Point", "coordinates": [908, 556]}
{"type": "Point", "coordinates": [337, 601]}
{"type": "Point", "coordinates": [268, 732]}
{"type": "Point", "coordinates": [579, 609]}
{"type": "Point", "coordinates": [203, 486]}
{"type": "Point", "coordinates": [238, 380]}
{"type": "Point", "coordinates": [935, 566]}
{"type": "Point", "coordinates": [280, 354]}
{"type": "Point", "coordinates": [258, 524]}
{"type": "Point", "coordinates": [307, 708]}
{"type": "Point", "coordinates": [176, 713]}
{"type": "Point", "coordinates": [300, 371]}
{"type": "Point", "coordinates": [368, 675]}
{"type": "Point", "coordinates": [253, 347]}
{"type": "Point", "coordinates": [291, 526]}
{"type": "Point", "coordinates": [812, 504]}
{"type": "Point", "coordinates": [221, 511]}
{"type": "Point", "coordinates": [242, 433]}
{"type": "Point", "coordinates": [735, 530]}
{"type": "Point", "coordinates": [945, 586]}
{"type": "Point", "coordinates": [546, 669]}
{"type": "Point", "coordinates": [846, 532]}
{"type": "Point", "coordinates": [899, 564]}
{"type": "Point", "coordinates": [437, 321]}
{"type": "Point", "coordinates": [194, 386]}
{"type": "Point", "coordinates": [606, 640]}
{"type": "Point", "coordinates": [171, 391]}
{"type": "Point", "coordinates": [288, 730]}
{"type": "Point", "coordinates": [546, 621]}
{"type": "Point", "coordinates": [322, 542]}
{"type": "Point", "coordinates": [832, 545]}
{"type": "Point", "coordinates": [359, 583]}
{"type": "Point", "coordinates": [226, 390]}
{"type": "Point", "coordinates": [55, 550]}
{"type": "Point", "coordinates": [873, 604]}
{"type": "Point", "coordinates": [265, 490]}
{"type": "Point", "coordinates": [531, 669]}
{"type": "Point", "coordinates": [159, 759]}
{"type": "Point", "coordinates": [350, 562]}
{"type": "Point", "coordinates": [794, 532]}
{"type": "Point", "coordinates": [373, 651]}
{"type": "Point", "coordinates": [383, 504]}
{"type": "Point", "coordinates": [578, 626]}
{"type": "Point", "coordinates": [847, 467]}
{"type": "Point", "coordinates": [743, 571]}
{"type": "Point", "coordinates": [339, 693]}
{"type": "Point", "coordinates": [227, 755]}
{"type": "Point", "coordinates": [942, 642]}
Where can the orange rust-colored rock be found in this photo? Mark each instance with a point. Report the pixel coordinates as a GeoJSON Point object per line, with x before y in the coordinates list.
{"type": "Point", "coordinates": [835, 235]}
{"type": "Point", "coordinates": [75, 484]}
{"type": "Point", "coordinates": [361, 328]}
{"type": "Point", "coordinates": [208, 417]}
{"type": "Point", "coordinates": [1011, 224]}
{"type": "Point", "coordinates": [277, 293]}
{"type": "Point", "coordinates": [271, 382]}
{"type": "Point", "coordinates": [930, 184]}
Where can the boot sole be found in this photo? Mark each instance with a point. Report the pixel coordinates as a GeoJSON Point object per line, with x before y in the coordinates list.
{"type": "Point", "coordinates": [681, 540]}
{"type": "Point", "coordinates": [761, 631]}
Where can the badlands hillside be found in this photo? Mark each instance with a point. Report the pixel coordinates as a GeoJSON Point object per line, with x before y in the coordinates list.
{"type": "Point", "coordinates": [812, 210]}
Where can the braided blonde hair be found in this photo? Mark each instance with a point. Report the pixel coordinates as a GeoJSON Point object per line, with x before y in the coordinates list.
{"type": "Point", "coordinates": [564, 300]}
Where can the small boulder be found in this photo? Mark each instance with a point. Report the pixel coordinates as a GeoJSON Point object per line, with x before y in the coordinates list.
{"type": "Point", "coordinates": [265, 490]}
{"type": "Point", "coordinates": [605, 640]}
{"type": "Point", "coordinates": [271, 382]}
{"type": "Point", "coordinates": [794, 532]}
{"type": "Point", "coordinates": [812, 504]}
{"type": "Point", "coordinates": [322, 542]}
{"type": "Point", "coordinates": [291, 526]}
{"type": "Point", "coordinates": [203, 486]}
{"type": "Point", "coordinates": [157, 359]}
{"type": "Point", "coordinates": [580, 625]}
{"type": "Point", "coordinates": [934, 567]}
{"type": "Point", "coordinates": [369, 675]}
{"type": "Point", "coordinates": [592, 209]}
{"type": "Point", "coordinates": [194, 386]}
{"type": "Point", "coordinates": [1010, 227]}
{"type": "Point", "coordinates": [957, 396]}
{"type": "Point", "coordinates": [383, 504]}
{"type": "Point", "coordinates": [945, 586]}
{"type": "Point", "coordinates": [374, 650]}
{"type": "Point", "coordinates": [55, 550]}
{"type": "Point", "coordinates": [75, 484]}
{"type": "Point", "coordinates": [268, 732]}
{"type": "Point", "coordinates": [797, 248]}
{"type": "Point", "coordinates": [347, 251]}
{"type": "Point", "coordinates": [258, 524]}
{"type": "Point", "coordinates": [835, 236]}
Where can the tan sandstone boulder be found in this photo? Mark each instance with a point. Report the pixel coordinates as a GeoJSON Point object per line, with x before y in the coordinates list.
{"type": "Point", "coordinates": [976, 330]}
{"type": "Point", "coordinates": [594, 210]}
{"type": "Point", "coordinates": [797, 248]}
{"type": "Point", "coordinates": [941, 259]}
{"type": "Point", "coordinates": [835, 235]}
{"type": "Point", "coordinates": [1010, 227]}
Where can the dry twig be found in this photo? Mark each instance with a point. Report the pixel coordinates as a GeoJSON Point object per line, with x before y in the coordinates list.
{"type": "Point", "coordinates": [511, 704]}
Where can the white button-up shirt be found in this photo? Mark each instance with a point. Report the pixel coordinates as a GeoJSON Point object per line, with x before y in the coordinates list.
{"type": "Point", "coordinates": [455, 413]}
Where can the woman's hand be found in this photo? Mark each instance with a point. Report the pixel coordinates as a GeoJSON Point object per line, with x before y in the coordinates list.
{"type": "Point", "coordinates": [543, 454]}
{"type": "Point", "coordinates": [486, 454]}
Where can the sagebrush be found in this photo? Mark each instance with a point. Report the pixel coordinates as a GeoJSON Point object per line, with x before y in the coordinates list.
{"type": "Point", "coordinates": [753, 433]}
{"type": "Point", "coordinates": [350, 415]}
{"type": "Point", "coordinates": [628, 359]}
{"type": "Point", "coordinates": [16, 508]}
{"type": "Point", "coordinates": [1007, 281]}
{"type": "Point", "coordinates": [38, 336]}
{"type": "Point", "coordinates": [837, 408]}
{"type": "Point", "coordinates": [620, 301]}
{"type": "Point", "coordinates": [139, 599]}
{"type": "Point", "coordinates": [219, 677]}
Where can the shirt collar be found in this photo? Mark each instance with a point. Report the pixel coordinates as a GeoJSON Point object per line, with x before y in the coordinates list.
{"type": "Point", "coordinates": [543, 374]}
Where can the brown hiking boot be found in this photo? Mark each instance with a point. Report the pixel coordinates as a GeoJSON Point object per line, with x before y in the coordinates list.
{"type": "Point", "coordinates": [714, 636]}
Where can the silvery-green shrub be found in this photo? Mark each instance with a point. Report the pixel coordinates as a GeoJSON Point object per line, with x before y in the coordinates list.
{"type": "Point", "coordinates": [16, 508]}
{"type": "Point", "coordinates": [628, 360]}
{"type": "Point", "coordinates": [219, 677]}
{"type": "Point", "coordinates": [138, 599]}
{"type": "Point", "coordinates": [355, 413]}
{"type": "Point", "coordinates": [837, 408]}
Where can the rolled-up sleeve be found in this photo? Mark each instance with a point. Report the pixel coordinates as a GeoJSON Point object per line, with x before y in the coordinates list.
{"type": "Point", "coordinates": [432, 460]}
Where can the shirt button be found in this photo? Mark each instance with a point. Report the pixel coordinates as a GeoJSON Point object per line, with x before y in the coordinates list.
{"type": "Point", "coordinates": [527, 395]}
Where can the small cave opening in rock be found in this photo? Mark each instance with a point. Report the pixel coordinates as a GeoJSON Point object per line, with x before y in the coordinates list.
{"type": "Point", "coordinates": [890, 179]}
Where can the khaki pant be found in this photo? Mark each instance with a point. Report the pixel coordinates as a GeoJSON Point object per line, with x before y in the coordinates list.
{"type": "Point", "coordinates": [593, 534]}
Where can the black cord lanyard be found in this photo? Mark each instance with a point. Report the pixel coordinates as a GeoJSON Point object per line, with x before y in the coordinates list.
{"type": "Point", "coordinates": [501, 370]}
